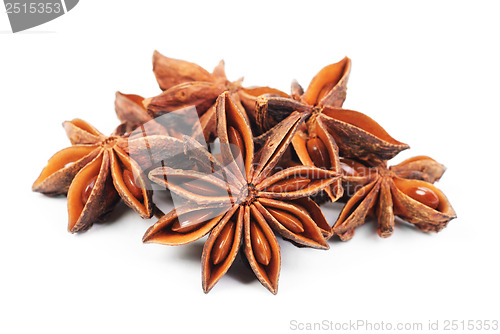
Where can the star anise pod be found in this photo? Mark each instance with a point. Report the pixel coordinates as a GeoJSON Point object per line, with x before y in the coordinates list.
{"type": "Point", "coordinates": [131, 112]}
{"type": "Point", "coordinates": [95, 173]}
{"type": "Point", "coordinates": [404, 190]}
{"type": "Point", "coordinates": [330, 129]}
{"type": "Point", "coordinates": [186, 84]}
{"type": "Point", "coordinates": [237, 200]}
{"type": "Point", "coordinates": [136, 120]}
{"type": "Point", "coordinates": [327, 88]}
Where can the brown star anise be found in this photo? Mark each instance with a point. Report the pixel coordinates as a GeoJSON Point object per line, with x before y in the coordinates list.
{"type": "Point", "coordinates": [235, 197]}
{"type": "Point", "coordinates": [137, 121]}
{"type": "Point", "coordinates": [185, 85]}
{"type": "Point", "coordinates": [95, 173]}
{"type": "Point", "coordinates": [404, 190]}
{"type": "Point", "coordinates": [131, 112]}
{"type": "Point", "coordinates": [330, 129]}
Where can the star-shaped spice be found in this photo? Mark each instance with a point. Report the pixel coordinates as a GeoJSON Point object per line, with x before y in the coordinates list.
{"type": "Point", "coordinates": [404, 190]}
{"type": "Point", "coordinates": [131, 112]}
{"type": "Point", "coordinates": [95, 173]}
{"type": "Point", "coordinates": [330, 130]}
{"type": "Point", "coordinates": [236, 198]}
{"type": "Point", "coordinates": [186, 84]}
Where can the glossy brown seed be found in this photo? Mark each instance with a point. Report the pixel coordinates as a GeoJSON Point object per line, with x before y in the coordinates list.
{"type": "Point", "coordinates": [260, 245]}
{"type": "Point", "coordinates": [88, 190]}
{"type": "Point", "coordinates": [288, 220]}
{"type": "Point", "coordinates": [348, 170]}
{"type": "Point", "coordinates": [109, 189]}
{"type": "Point", "coordinates": [288, 185]}
{"type": "Point", "coordinates": [318, 152]}
{"type": "Point", "coordinates": [236, 139]}
{"type": "Point", "coordinates": [128, 179]}
{"type": "Point", "coordinates": [325, 90]}
{"type": "Point", "coordinates": [423, 195]}
{"type": "Point", "coordinates": [223, 243]}
{"type": "Point", "coordinates": [191, 221]}
{"type": "Point", "coordinates": [352, 168]}
{"type": "Point", "coordinates": [197, 186]}
{"type": "Point", "coordinates": [328, 78]}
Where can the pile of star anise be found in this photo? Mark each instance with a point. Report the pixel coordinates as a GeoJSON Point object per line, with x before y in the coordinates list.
{"type": "Point", "coordinates": [242, 165]}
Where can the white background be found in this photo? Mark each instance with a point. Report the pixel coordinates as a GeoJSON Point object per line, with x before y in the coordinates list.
{"type": "Point", "coordinates": [428, 72]}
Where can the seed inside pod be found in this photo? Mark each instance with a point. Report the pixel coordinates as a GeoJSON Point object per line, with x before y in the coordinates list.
{"type": "Point", "coordinates": [348, 170]}
{"type": "Point", "coordinates": [288, 220]}
{"type": "Point", "coordinates": [128, 179]}
{"type": "Point", "coordinates": [288, 185]}
{"type": "Point", "coordinates": [260, 245]}
{"type": "Point", "coordinates": [318, 152]}
{"type": "Point", "coordinates": [197, 186]}
{"type": "Point", "coordinates": [423, 195]}
{"type": "Point", "coordinates": [352, 168]}
{"type": "Point", "coordinates": [190, 221]}
{"type": "Point", "coordinates": [236, 139]}
{"type": "Point", "coordinates": [108, 189]}
{"type": "Point", "coordinates": [88, 190]}
{"type": "Point", "coordinates": [223, 243]}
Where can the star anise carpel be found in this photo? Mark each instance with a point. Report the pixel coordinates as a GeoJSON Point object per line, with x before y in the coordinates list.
{"type": "Point", "coordinates": [186, 85]}
{"type": "Point", "coordinates": [242, 166]}
{"type": "Point", "coordinates": [133, 115]}
{"type": "Point", "coordinates": [405, 190]}
{"type": "Point", "coordinates": [238, 200]}
{"type": "Point", "coordinates": [95, 172]}
{"type": "Point", "coordinates": [329, 130]}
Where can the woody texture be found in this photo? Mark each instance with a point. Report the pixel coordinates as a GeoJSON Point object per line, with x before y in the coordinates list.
{"type": "Point", "coordinates": [246, 167]}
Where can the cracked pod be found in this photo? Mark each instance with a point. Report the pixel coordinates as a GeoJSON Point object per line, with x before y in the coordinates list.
{"type": "Point", "coordinates": [187, 85]}
{"type": "Point", "coordinates": [237, 201]}
{"type": "Point", "coordinates": [385, 193]}
{"type": "Point", "coordinates": [95, 173]}
{"type": "Point", "coordinates": [329, 131]}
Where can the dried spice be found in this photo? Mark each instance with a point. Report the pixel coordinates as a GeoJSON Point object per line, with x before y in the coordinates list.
{"type": "Point", "coordinates": [187, 85]}
{"type": "Point", "coordinates": [330, 130]}
{"type": "Point", "coordinates": [236, 199]}
{"type": "Point", "coordinates": [404, 190]}
{"type": "Point", "coordinates": [308, 150]}
{"type": "Point", "coordinates": [327, 88]}
{"type": "Point", "coordinates": [131, 112]}
{"type": "Point", "coordinates": [94, 173]}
